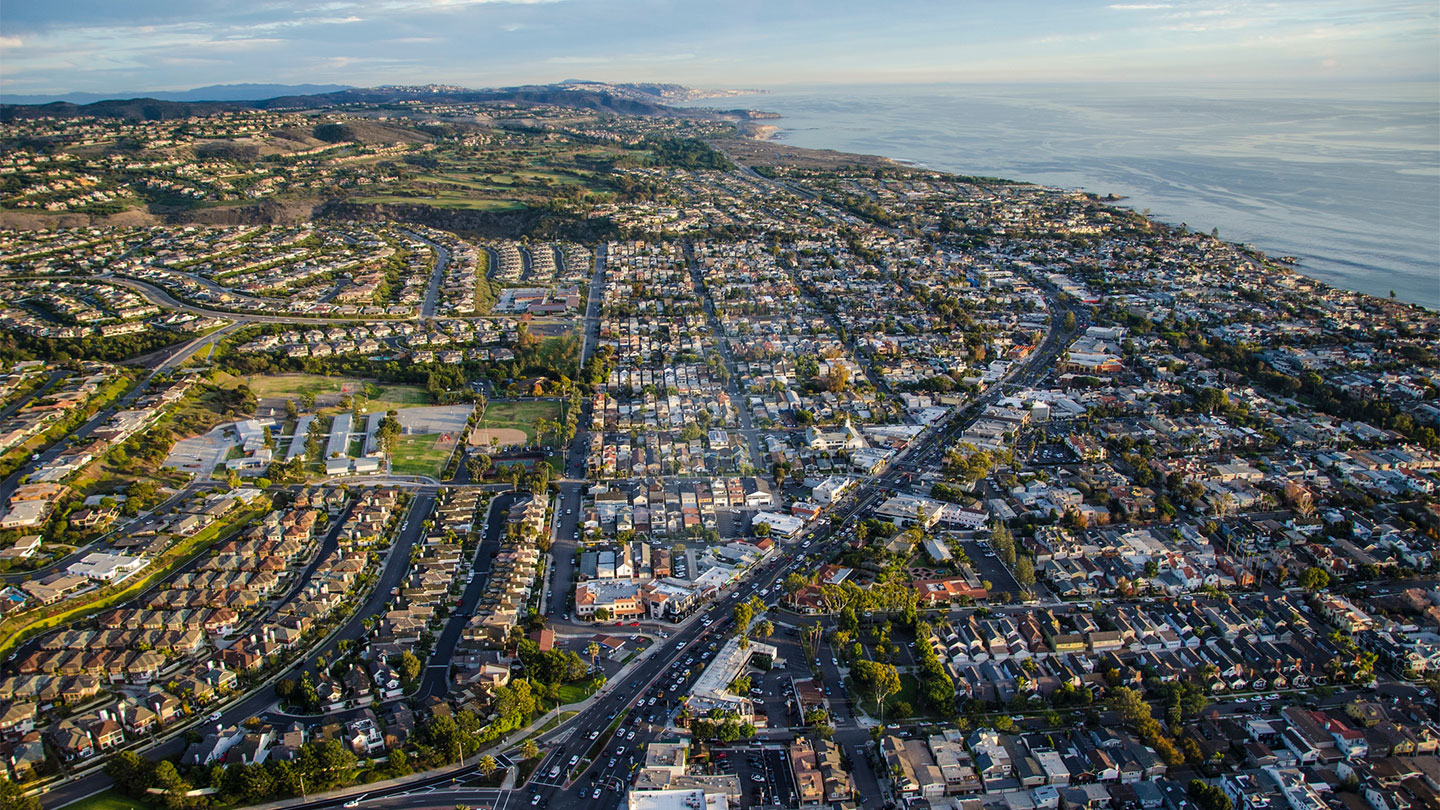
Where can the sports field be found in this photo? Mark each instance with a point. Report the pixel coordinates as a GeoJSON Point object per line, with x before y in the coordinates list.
{"type": "Point", "coordinates": [521, 416]}
{"type": "Point", "coordinates": [422, 454]}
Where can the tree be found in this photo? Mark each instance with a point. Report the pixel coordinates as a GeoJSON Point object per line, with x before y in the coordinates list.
{"type": "Point", "coordinates": [1209, 797]}
{"type": "Point", "coordinates": [1025, 572]}
{"type": "Point", "coordinates": [387, 433]}
{"type": "Point", "coordinates": [592, 649]}
{"type": "Point", "coordinates": [878, 681]}
{"type": "Point", "coordinates": [488, 765]}
{"type": "Point", "coordinates": [408, 665]}
{"type": "Point", "coordinates": [794, 582]}
{"type": "Point", "coordinates": [743, 613]}
{"type": "Point", "coordinates": [1068, 322]}
{"type": "Point", "coordinates": [1130, 705]}
{"type": "Point", "coordinates": [12, 797]}
{"type": "Point", "coordinates": [530, 749]}
{"type": "Point", "coordinates": [1314, 579]}
{"type": "Point", "coordinates": [1002, 541]}
{"type": "Point", "coordinates": [837, 378]}
{"type": "Point", "coordinates": [132, 773]}
{"type": "Point", "coordinates": [284, 688]}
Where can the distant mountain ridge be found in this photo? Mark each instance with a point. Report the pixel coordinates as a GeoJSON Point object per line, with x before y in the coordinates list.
{"type": "Point", "coordinates": [214, 92]}
{"type": "Point", "coordinates": [625, 99]}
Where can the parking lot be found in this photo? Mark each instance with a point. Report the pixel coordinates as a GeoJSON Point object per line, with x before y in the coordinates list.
{"type": "Point", "coordinates": [990, 567]}
{"type": "Point", "coordinates": [199, 455]}
{"type": "Point", "coordinates": [764, 772]}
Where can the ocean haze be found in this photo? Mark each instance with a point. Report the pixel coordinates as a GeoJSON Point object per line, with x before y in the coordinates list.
{"type": "Point", "coordinates": [1345, 177]}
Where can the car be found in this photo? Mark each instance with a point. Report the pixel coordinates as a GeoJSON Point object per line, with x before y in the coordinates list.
{"type": "Point", "coordinates": [835, 661]}
{"type": "Point", "coordinates": [596, 794]}
{"type": "Point", "coordinates": [619, 749]}
{"type": "Point", "coordinates": [612, 763]}
{"type": "Point", "coordinates": [594, 734]}
{"type": "Point", "coordinates": [630, 735]}
{"type": "Point", "coordinates": [213, 716]}
{"type": "Point", "coordinates": [554, 771]}
{"type": "Point", "coordinates": [535, 800]}
{"type": "Point", "coordinates": [575, 760]}
{"type": "Point", "coordinates": [757, 777]}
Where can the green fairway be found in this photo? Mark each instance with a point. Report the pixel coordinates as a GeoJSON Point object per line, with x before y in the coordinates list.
{"type": "Point", "coordinates": [447, 199]}
{"type": "Point", "coordinates": [421, 454]}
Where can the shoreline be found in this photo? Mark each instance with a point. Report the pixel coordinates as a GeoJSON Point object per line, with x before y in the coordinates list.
{"type": "Point", "coordinates": [1285, 260]}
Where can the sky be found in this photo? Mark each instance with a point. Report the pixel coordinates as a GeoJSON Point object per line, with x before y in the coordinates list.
{"type": "Point", "coordinates": [137, 45]}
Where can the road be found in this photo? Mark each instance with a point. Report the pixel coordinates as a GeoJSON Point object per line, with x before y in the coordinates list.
{"type": "Point", "coordinates": [737, 397]}
{"type": "Point", "coordinates": [436, 680]}
{"type": "Point", "coordinates": [55, 377]}
{"type": "Point", "coordinates": [437, 276]}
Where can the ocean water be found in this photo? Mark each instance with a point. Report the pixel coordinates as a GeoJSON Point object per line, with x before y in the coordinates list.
{"type": "Point", "coordinates": [1347, 178]}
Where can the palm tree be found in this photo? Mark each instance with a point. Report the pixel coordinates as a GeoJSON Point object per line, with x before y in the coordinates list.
{"type": "Point", "coordinates": [488, 765]}
{"type": "Point", "coordinates": [593, 649]}
{"type": "Point", "coordinates": [529, 749]}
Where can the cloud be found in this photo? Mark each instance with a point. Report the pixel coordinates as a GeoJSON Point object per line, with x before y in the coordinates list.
{"type": "Point", "coordinates": [1138, 6]}
{"type": "Point", "coordinates": [9, 42]}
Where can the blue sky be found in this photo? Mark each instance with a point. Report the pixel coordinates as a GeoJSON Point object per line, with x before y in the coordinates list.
{"type": "Point", "coordinates": [137, 45]}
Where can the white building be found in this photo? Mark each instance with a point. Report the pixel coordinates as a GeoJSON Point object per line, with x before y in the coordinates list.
{"type": "Point", "coordinates": [106, 566]}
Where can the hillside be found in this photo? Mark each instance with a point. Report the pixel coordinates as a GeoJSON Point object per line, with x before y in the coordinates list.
{"type": "Point", "coordinates": [617, 99]}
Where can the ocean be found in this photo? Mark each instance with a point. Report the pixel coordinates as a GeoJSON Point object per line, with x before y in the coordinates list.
{"type": "Point", "coordinates": [1344, 177]}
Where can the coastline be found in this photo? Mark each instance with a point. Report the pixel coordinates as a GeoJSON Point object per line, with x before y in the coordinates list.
{"type": "Point", "coordinates": [1332, 261]}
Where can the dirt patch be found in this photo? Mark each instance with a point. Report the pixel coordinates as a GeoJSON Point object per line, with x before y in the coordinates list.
{"type": "Point", "coordinates": [507, 437]}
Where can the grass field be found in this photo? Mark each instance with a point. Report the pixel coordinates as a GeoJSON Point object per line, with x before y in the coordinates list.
{"type": "Point", "coordinates": [328, 390]}
{"type": "Point", "coordinates": [286, 386]}
{"type": "Point", "coordinates": [109, 800]}
{"type": "Point", "coordinates": [519, 415]}
{"type": "Point", "coordinates": [421, 454]}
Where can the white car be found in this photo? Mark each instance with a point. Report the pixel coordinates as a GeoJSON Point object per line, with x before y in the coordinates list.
{"type": "Point", "coordinates": [213, 716]}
